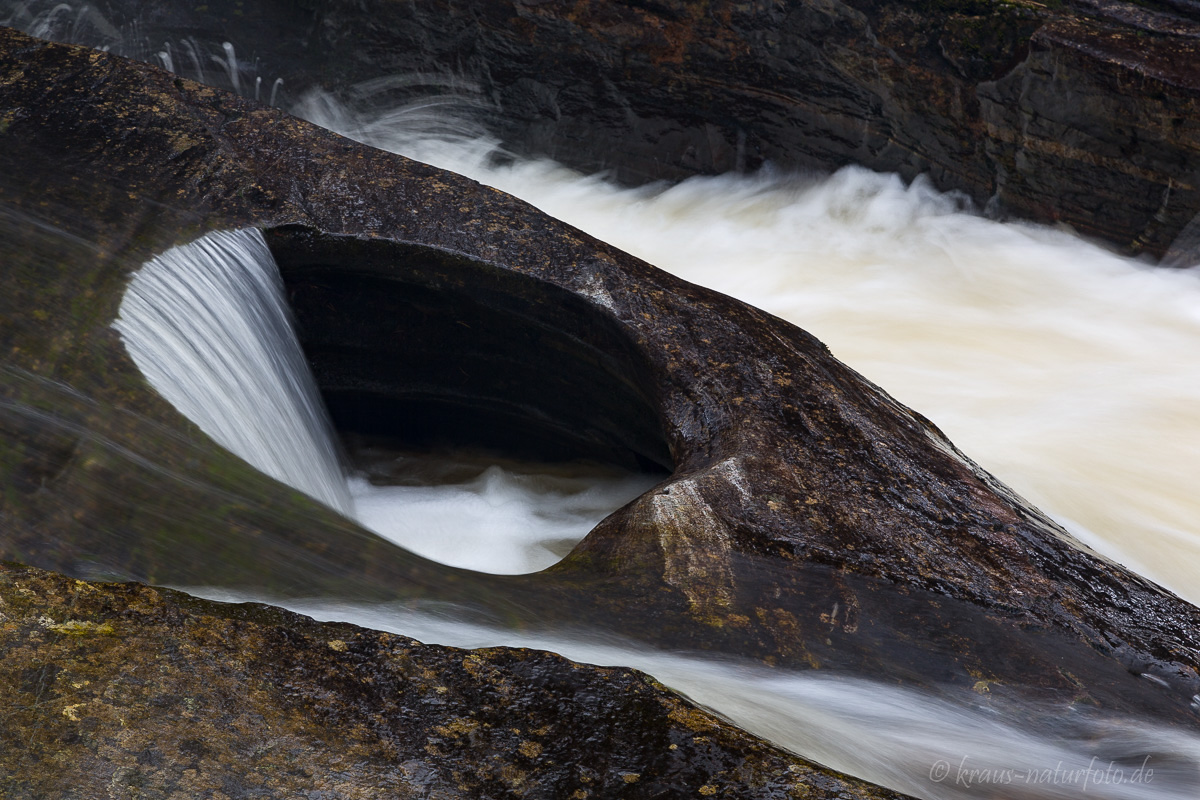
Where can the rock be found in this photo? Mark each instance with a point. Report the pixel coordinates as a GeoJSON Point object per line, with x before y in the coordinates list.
{"type": "Point", "coordinates": [1081, 112]}
{"type": "Point", "coordinates": [809, 520]}
{"type": "Point", "coordinates": [122, 690]}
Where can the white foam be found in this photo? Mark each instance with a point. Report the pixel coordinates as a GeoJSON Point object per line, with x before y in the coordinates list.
{"type": "Point", "coordinates": [500, 519]}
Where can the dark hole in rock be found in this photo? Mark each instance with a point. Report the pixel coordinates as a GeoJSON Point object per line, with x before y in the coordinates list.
{"type": "Point", "coordinates": [518, 406]}
{"type": "Point", "coordinates": [492, 417]}
{"type": "Point", "coordinates": [421, 348]}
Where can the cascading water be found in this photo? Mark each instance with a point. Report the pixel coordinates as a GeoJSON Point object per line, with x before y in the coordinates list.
{"type": "Point", "coordinates": [208, 326]}
{"type": "Point", "coordinates": [1064, 369]}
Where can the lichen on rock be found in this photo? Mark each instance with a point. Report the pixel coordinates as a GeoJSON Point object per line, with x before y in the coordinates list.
{"type": "Point", "coordinates": [187, 698]}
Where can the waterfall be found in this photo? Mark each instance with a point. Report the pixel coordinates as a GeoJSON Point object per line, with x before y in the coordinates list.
{"type": "Point", "coordinates": [208, 325]}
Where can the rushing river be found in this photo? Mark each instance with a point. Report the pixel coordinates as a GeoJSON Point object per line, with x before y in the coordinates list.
{"type": "Point", "coordinates": [1067, 371]}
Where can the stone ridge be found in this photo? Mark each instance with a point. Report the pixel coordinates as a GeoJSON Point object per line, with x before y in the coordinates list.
{"type": "Point", "coordinates": [121, 689]}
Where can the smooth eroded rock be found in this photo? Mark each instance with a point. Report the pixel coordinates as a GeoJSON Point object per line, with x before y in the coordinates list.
{"type": "Point", "coordinates": [123, 690]}
{"type": "Point", "coordinates": [809, 520]}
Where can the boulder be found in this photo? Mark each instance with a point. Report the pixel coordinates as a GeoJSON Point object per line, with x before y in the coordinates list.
{"type": "Point", "coordinates": [808, 520]}
{"type": "Point", "coordinates": [122, 690]}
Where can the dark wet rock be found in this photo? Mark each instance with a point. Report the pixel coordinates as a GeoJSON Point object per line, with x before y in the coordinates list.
{"type": "Point", "coordinates": [809, 520]}
{"type": "Point", "coordinates": [1081, 112]}
{"type": "Point", "coordinates": [122, 690]}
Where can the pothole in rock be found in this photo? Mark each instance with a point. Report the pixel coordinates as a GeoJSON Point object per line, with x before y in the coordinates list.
{"type": "Point", "coordinates": [491, 419]}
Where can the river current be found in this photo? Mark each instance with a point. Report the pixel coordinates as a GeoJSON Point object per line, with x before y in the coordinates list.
{"type": "Point", "coordinates": [1064, 369]}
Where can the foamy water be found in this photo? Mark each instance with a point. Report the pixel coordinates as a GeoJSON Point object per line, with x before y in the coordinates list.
{"type": "Point", "coordinates": [1066, 370]}
{"type": "Point", "coordinates": [468, 511]}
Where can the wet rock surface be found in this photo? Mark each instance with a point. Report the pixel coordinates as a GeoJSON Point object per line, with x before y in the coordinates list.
{"type": "Point", "coordinates": [123, 690]}
{"type": "Point", "coordinates": [809, 522]}
{"type": "Point", "coordinates": [1081, 112]}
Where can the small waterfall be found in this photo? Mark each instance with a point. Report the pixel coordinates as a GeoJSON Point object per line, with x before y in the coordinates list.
{"type": "Point", "coordinates": [208, 325]}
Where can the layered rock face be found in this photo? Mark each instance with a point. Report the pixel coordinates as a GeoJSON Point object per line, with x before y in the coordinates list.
{"type": "Point", "coordinates": [1083, 113]}
{"type": "Point", "coordinates": [1080, 112]}
{"type": "Point", "coordinates": [809, 521]}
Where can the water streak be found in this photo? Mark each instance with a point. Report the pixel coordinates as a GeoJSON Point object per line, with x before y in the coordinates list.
{"type": "Point", "coordinates": [208, 325]}
{"type": "Point", "coordinates": [83, 24]}
{"type": "Point", "coordinates": [49, 19]}
{"type": "Point", "coordinates": [948, 745]}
